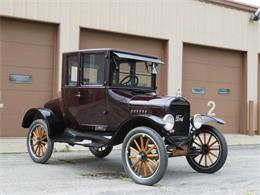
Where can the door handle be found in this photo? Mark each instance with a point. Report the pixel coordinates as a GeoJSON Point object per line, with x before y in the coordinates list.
{"type": "Point", "coordinates": [1, 105]}
{"type": "Point", "coordinates": [78, 95]}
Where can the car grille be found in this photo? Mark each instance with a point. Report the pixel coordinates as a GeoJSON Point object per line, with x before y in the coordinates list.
{"type": "Point", "coordinates": [180, 109]}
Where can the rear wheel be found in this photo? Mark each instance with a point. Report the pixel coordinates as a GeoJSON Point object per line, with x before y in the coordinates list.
{"type": "Point", "coordinates": [211, 148]}
{"type": "Point", "coordinates": [144, 156]}
{"type": "Point", "coordinates": [101, 152]}
{"type": "Point", "coordinates": [39, 145]}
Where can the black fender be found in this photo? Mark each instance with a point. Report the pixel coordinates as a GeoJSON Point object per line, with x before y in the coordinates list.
{"type": "Point", "coordinates": [55, 126]}
{"type": "Point", "coordinates": [151, 121]}
{"type": "Point", "coordinates": [207, 119]}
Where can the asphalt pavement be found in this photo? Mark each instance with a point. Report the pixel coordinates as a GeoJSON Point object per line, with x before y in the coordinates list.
{"type": "Point", "coordinates": [81, 173]}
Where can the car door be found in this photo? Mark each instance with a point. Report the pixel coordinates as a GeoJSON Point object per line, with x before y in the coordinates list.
{"type": "Point", "coordinates": [92, 92]}
{"type": "Point", "coordinates": [70, 88]}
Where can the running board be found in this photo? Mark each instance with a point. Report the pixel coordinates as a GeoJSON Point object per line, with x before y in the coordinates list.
{"type": "Point", "coordinates": [74, 137]}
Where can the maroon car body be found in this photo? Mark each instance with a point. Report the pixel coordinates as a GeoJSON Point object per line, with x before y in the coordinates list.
{"type": "Point", "coordinates": [108, 93]}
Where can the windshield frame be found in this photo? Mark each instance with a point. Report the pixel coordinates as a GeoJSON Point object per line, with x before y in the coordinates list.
{"type": "Point", "coordinates": [115, 61]}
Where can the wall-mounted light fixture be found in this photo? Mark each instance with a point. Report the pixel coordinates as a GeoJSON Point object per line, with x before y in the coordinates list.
{"type": "Point", "coordinates": [256, 15]}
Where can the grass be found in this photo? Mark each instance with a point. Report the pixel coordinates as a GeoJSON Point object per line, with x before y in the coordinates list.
{"type": "Point", "coordinates": [87, 174]}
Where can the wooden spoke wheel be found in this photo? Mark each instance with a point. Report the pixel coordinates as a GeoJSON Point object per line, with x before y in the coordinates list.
{"type": "Point", "coordinates": [144, 156]}
{"type": "Point", "coordinates": [211, 150]}
{"type": "Point", "coordinates": [39, 145]}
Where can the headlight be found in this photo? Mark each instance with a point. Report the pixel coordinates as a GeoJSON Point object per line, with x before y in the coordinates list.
{"type": "Point", "coordinates": [169, 119]}
{"type": "Point", "coordinates": [197, 121]}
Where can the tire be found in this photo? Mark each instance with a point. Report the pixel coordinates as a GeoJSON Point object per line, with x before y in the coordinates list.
{"type": "Point", "coordinates": [213, 147]}
{"type": "Point", "coordinates": [144, 156]}
{"type": "Point", "coordinates": [101, 152]}
{"type": "Point", "coordinates": [39, 145]}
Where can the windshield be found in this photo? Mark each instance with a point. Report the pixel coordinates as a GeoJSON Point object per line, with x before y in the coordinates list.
{"type": "Point", "coordinates": [133, 74]}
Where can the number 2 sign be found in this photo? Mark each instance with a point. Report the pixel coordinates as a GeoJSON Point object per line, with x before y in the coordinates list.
{"type": "Point", "coordinates": [212, 106]}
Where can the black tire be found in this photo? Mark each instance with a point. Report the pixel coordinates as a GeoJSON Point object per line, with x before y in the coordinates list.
{"type": "Point", "coordinates": [101, 152]}
{"type": "Point", "coordinates": [150, 157]}
{"type": "Point", "coordinates": [39, 145]}
{"type": "Point", "coordinates": [213, 148]}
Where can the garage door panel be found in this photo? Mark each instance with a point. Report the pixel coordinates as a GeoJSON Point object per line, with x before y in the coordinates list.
{"type": "Point", "coordinates": [216, 73]}
{"type": "Point", "coordinates": [119, 41]}
{"type": "Point", "coordinates": [27, 55]}
{"type": "Point", "coordinates": [213, 56]}
{"type": "Point", "coordinates": [201, 106]}
{"type": "Point", "coordinates": [205, 72]}
{"type": "Point", "coordinates": [211, 90]}
{"type": "Point", "coordinates": [27, 48]}
{"type": "Point", "coordinates": [42, 79]}
{"type": "Point", "coordinates": [23, 100]}
{"type": "Point", "coordinates": [12, 126]}
{"type": "Point", "coordinates": [28, 32]}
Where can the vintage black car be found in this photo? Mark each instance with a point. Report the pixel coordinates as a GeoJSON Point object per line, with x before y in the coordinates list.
{"type": "Point", "coordinates": [108, 98]}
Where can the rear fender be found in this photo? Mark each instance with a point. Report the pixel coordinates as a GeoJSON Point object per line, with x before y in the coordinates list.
{"type": "Point", "coordinates": [55, 126]}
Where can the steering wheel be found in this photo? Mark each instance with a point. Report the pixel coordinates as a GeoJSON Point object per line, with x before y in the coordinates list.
{"type": "Point", "coordinates": [128, 80]}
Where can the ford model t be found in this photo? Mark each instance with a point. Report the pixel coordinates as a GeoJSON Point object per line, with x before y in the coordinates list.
{"type": "Point", "coordinates": [108, 98]}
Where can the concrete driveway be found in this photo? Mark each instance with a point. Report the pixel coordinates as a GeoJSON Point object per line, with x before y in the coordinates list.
{"type": "Point", "coordinates": [81, 173]}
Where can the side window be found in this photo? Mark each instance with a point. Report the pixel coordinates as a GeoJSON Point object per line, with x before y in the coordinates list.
{"type": "Point", "coordinates": [72, 70]}
{"type": "Point", "coordinates": [93, 69]}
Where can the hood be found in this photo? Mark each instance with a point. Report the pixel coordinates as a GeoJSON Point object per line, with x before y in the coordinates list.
{"type": "Point", "coordinates": [150, 100]}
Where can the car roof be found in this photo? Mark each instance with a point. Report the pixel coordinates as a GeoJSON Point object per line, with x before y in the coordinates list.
{"type": "Point", "coordinates": [112, 50]}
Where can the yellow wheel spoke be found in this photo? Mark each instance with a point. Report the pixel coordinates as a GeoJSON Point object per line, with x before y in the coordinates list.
{"type": "Point", "coordinates": [34, 134]}
{"type": "Point", "coordinates": [44, 142]}
{"type": "Point", "coordinates": [133, 149]}
{"type": "Point", "coordinates": [135, 163]}
{"type": "Point", "coordinates": [152, 155]}
{"type": "Point", "coordinates": [137, 145]}
{"type": "Point", "coordinates": [34, 138]}
{"type": "Point", "coordinates": [152, 161]}
{"type": "Point", "coordinates": [150, 149]}
{"type": "Point", "coordinates": [43, 138]}
{"type": "Point", "coordinates": [145, 169]}
{"type": "Point", "coordinates": [132, 156]}
{"type": "Point", "coordinates": [149, 167]}
{"type": "Point", "coordinates": [142, 142]}
{"type": "Point", "coordinates": [146, 145]}
{"type": "Point", "coordinates": [139, 167]}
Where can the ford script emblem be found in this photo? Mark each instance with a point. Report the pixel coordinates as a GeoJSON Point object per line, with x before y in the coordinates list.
{"type": "Point", "coordinates": [179, 118]}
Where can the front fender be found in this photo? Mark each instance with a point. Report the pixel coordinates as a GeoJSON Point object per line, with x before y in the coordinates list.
{"type": "Point", "coordinates": [55, 126]}
{"type": "Point", "coordinates": [207, 119]}
{"type": "Point", "coordinates": [151, 121]}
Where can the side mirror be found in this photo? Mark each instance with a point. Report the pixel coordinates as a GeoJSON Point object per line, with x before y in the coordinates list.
{"type": "Point", "coordinates": [105, 83]}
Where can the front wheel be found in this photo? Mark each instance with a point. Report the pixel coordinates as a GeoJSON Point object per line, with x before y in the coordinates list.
{"type": "Point", "coordinates": [39, 145]}
{"type": "Point", "coordinates": [210, 149]}
{"type": "Point", "coordinates": [144, 156]}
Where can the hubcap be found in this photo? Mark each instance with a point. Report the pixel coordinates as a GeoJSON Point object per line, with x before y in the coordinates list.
{"type": "Point", "coordinates": [142, 155]}
{"type": "Point", "coordinates": [39, 141]}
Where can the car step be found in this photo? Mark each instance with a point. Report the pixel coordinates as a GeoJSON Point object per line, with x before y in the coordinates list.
{"type": "Point", "coordinates": [73, 136]}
